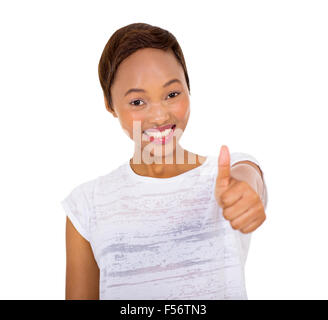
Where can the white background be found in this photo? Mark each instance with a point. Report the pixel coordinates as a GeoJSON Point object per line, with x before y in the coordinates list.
{"type": "Point", "coordinates": [259, 77]}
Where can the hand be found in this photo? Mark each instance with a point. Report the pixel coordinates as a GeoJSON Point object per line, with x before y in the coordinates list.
{"type": "Point", "coordinates": [240, 203]}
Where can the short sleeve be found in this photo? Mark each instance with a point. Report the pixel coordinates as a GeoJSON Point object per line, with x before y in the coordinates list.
{"type": "Point", "coordinates": [241, 156]}
{"type": "Point", "coordinates": [78, 206]}
{"type": "Point", "coordinates": [245, 238]}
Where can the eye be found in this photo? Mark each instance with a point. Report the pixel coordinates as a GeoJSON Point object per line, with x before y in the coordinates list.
{"type": "Point", "coordinates": [174, 92]}
{"type": "Point", "coordinates": [132, 102]}
{"type": "Point", "coordinates": [137, 105]}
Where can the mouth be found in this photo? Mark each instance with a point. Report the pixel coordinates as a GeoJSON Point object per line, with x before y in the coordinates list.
{"type": "Point", "coordinates": [160, 137]}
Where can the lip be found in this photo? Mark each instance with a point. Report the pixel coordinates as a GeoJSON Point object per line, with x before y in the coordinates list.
{"type": "Point", "coordinates": [163, 140]}
{"type": "Point", "coordinates": [162, 128]}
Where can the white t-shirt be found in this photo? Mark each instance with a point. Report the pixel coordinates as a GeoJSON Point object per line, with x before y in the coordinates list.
{"type": "Point", "coordinates": [161, 238]}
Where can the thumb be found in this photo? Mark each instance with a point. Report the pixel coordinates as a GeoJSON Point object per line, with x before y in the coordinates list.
{"type": "Point", "coordinates": [223, 178]}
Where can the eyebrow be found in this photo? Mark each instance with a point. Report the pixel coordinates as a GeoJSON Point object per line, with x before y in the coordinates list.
{"type": "Point", "coordinates": [142, 90]}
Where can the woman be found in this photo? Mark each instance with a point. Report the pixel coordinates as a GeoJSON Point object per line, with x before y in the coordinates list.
{"type": "Point", "coordinates": [168, 223]}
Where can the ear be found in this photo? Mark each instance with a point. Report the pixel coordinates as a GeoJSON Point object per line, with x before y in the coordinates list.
{"type": "Point", "coordinates": [109, 109]}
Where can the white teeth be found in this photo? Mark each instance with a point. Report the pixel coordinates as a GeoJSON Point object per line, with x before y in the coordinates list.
{"type": "Point", "coordinates": [159, 134]}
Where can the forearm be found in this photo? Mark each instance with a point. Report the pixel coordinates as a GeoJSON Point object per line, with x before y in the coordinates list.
{"type": "Point", "coordinates": [247, 173]}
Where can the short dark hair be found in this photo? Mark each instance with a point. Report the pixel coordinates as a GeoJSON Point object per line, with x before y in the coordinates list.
{"type": "Point", "coordinates": [126, 41]}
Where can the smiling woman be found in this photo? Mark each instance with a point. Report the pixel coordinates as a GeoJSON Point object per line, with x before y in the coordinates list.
{"type": "Point", "coordinates": [152, 228]}
{"type": "Point", "coordinates": [148, 90]}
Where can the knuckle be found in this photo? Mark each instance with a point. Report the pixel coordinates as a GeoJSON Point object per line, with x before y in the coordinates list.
{"type": "Point", "coordinates": [256, 201]}
{"type": "Point", "coordinates": [260, 206]}
{"type": "Point", "coordinates": [224, 197]}
{"type": "Point", "coordinates": [226, 214]}
{"type": "Point", "coordinates": [255, 196]}
{"type": "Point", "coordinates": [234, 225]}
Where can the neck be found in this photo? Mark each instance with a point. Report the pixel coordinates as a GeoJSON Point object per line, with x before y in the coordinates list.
{"type": "Point", "coordinates": [167, 166]}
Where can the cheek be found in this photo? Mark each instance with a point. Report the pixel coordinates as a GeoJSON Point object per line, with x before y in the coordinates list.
{"type": "Point", "coordinates": [127, 120]}
{"type": "Point", "coordinates": [182, 111]}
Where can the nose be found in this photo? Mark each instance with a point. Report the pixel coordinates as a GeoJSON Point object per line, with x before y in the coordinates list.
{"type": "Point", "coordinates": [158, 113]}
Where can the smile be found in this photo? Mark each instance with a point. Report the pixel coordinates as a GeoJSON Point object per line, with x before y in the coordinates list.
{"type": "Point", "coordinates": [159, 137]}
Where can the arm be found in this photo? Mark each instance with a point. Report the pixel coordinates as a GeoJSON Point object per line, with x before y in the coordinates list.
{"type": "Point", "coordinates": [82, 272]}
{"type": "Point", "coordinates": [243, 170]}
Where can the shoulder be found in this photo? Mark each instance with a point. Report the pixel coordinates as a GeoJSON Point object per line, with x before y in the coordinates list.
{"type": "Point", "coordinates": [114, 178]}
{"type": "Point", "coordinates": [88, 190]}
{"type": "Point", "coordinates": [82, 194]}
{"type": "Point", "coordinates": [86, 187]}
{"type": "Point", "coordinates": [235, 157]}
{"type": "Point", "coordinates": [242, 156]}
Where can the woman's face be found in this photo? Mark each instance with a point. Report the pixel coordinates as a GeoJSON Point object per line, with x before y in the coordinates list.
{"type": "Point", "coordinates": [155, 103]}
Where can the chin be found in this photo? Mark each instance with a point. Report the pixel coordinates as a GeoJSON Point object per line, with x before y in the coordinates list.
{"type": "Point", "coordinates": [169, 157]}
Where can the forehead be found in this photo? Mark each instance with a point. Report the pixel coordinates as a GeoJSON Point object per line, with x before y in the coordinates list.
{"type": "Point", "coordinates": [146, 66]}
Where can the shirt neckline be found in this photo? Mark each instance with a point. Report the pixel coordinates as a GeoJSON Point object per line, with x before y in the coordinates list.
{"type": "Point", "coordinates": [180, 176]}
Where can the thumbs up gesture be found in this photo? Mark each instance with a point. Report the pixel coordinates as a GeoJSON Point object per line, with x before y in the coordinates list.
{"type": "Point", "coordinates": [240, 203]}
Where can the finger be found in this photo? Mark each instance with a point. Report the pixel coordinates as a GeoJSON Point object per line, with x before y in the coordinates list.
{"type": "Point", "coordinates": [233, 194]}
{"type": "Point", "coordinates": [253, 225]}
{"type": "Point", "coordinates": [237, 209]}
{"type": "Point", "coordinates": [223, 178]}
{"type": "Point", "coordinates": [247, 217]}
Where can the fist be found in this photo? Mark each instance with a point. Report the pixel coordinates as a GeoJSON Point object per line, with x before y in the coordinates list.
{"type": "Point", "coordinates": [240, 203]}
